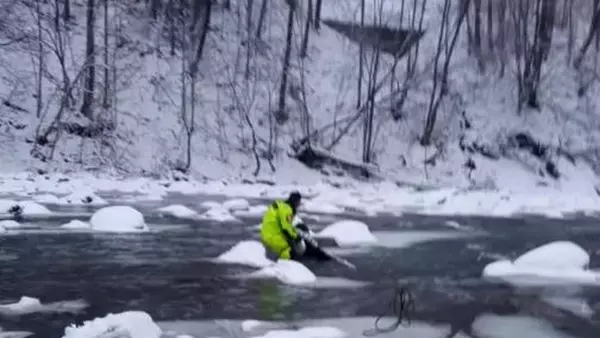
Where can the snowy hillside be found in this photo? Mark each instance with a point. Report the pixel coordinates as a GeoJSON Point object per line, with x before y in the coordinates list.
{"type": "Point", "coordinates": [480, 139]}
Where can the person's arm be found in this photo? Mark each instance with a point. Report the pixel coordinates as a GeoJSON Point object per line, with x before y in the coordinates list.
{"type": "Point", "coordinates": [286, 217]}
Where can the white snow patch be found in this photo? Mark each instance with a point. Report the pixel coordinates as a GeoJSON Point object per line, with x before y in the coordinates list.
{"type": "Point", "coordinates": [27, 305]}
{"type": "Point", "coordinates": [178, 210]}
{"type": "Point", "coordinates": [348, 232]}
{"type": "Point", "coordinates": [288, 272]}
{"type": "Point", "coordinates": [253, 211]}
{"type": "Point", "coordinates": [118, 219]}
{"type": "Point", "coordinates": [236, 204]}
{"type": "Point", "coordinates": [15, 334]}
{"type": "Point", "coordinates": [556, 262]}
{"type": "Point", "coordinates": [321, 207]}
{"type": "Point", "coordinates": [250, 253]}
{"type": "Point", "coordinates": [210, 204]}
{"type": "Point", "coordinates": [9, 224]}
{"type": "Point", "coordinates": [219, 214]}
{"type": "Point", "coordinates": [76, 224]}
{"type": "Point", "coordinates": [130, 324]}
{"type": "Point", "coordinates": [577, 306]}
{"type": "Point", "coordinates": [250, 324]}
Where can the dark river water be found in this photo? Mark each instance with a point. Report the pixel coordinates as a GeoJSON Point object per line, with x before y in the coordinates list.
{"type": "Point", "coordinates": [168, 272]}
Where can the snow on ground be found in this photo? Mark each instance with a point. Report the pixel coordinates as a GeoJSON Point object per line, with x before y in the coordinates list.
{"type": "Point", "coordinates": [558, 262]}
{"type": "Point", "coordinates": [118, 219]}
{"type": "Point", "coordinates": [321, 197]}
{"type": "Point", "coordinates": [131, 324]}
{"type": "Point", "coordinates": [28, 305]}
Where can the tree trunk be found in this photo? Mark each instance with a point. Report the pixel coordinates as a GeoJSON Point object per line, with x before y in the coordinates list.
{"type": "Point", "coordinates": [90, 68]}
{"type": "Point", "coordinates": [67, 10]}
{"type": "Point", "coordinates": [361, 56]}
{"type": "Point", "coordinates": [318, 14]}
{"type": "Point", "coordinates": [40, 70]}
{"type": "Point", "coordinates": [309, 19]}
{"type": "Point", "coordinates": [261, 19]}
{"type": "Point", "coordinates": [249, 44]}
{"type": "Point", "coordinates": [106, 98]}
{"type": "Point", "coordinates": [281, 116]}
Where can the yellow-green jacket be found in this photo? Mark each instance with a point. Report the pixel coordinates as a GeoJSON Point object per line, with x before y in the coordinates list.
{"type": "Point", "coordinates": [277, 231]}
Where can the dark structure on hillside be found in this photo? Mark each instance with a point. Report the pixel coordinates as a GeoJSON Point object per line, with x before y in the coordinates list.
{"type": "Point", "coordinates": [394, 41]}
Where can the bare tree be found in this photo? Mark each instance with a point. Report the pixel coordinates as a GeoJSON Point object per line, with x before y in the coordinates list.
{"type": "Point", "coordinates": [105, 97]}
{"type": "Point", "coordinates": [249, 35]}
{"type": "Point", "coordinates": [307, 26]}
{"type": "Point", "coordinates": [90, 73]}
{"type": "Point", "coordinates": [361, 55]}
{"type": "Point", "coordinates": [67, 10]}
{"type": "Point", "coordinates": [593, 31]}
{"type": "Point", "coordinates": [318, 14]}
{"type": "Point", "coordinates": [261, 19]}
{"type": "Point", "coordinates": [281, 115]}
{"type": "Point", "coordinates": [40, 70]}
{"type": "Point", "coordinates": [440, 74]}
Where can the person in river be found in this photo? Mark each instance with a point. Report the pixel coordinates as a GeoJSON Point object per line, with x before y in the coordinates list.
{"type": "Point", "coordinates": [277, 231]}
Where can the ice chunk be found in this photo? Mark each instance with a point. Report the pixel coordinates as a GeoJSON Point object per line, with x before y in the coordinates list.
{"type": "Point", "coordinates": [236, 204]}
{"type": "Point", "coordinates": [288, 272]}
{"type": "Point", "coordinates": [130, 324]}
{"type": "Point", "coordinates": [250, 253]}
{"type": "Point", "coordinates": [349, 232]}
{"type": "Point", "coordinates": [27, 305]}
{"type": "Point", "coordinates": [178, 210]}
{"type": "Point", "coordinates": [9, 224]}
{"type": "Point", "coordinates": [118, 219]}
{"type": "Point", "coordinates": [76, 224]}
{"type": "Point", "coordinates": [558, 255]}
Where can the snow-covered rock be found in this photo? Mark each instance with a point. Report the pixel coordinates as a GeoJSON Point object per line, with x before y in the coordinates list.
{"type": "Point", "coordinates": [82, 197]}
{"type": "Point", "coordinates": [252, 211]}
{"type": "Point", "coordinates": [76, 224]}
{"type": "Point", "coordinates": [250, 253]}
{"type": "Point", "coordinates": [348, 232]}
{"type": "Point", "coordinates": [9, 224]}
{"type": "Point", "coordinates": [236, 204]}
{"type": "Point", "coordinates": [130, 324]}
{"type": "Point", "coordinates": [23, 208]}
{"type": "Point", "coordinates": [557, 255]}
{"type": "Point", "coordinates": [556, 262]}
{"type": "Point", "coordinates": [288, 272]}
{"type": "Point", "coordinates": [118, 219]}
{"type": "Point", "coordinates": [178, 210]}
{"type": "Point", "coordinates": [46, 199]}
